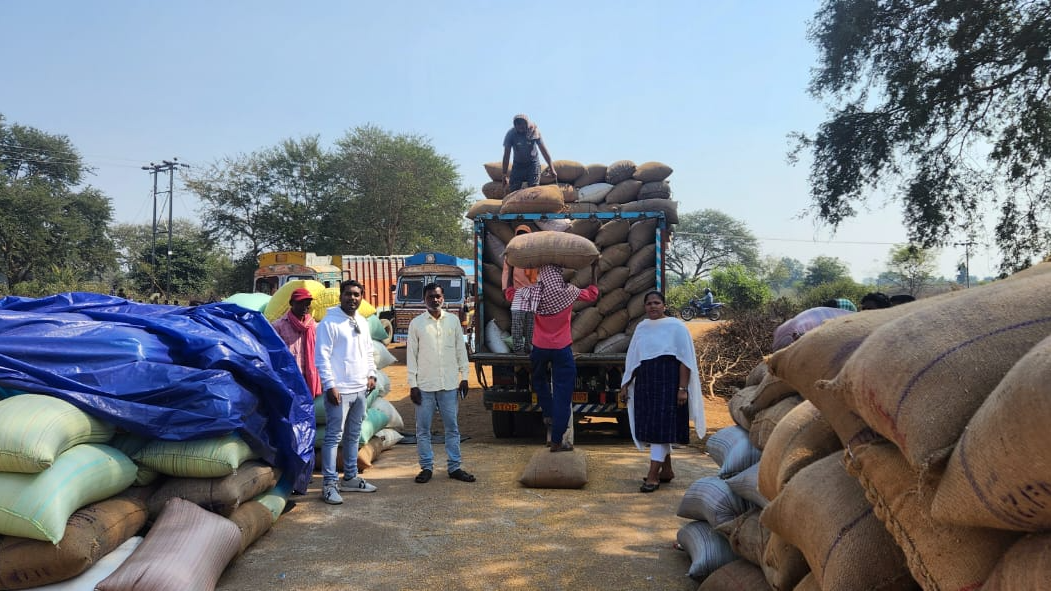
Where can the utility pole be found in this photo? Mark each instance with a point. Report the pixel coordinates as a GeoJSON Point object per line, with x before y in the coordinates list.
{"type": "Point", "coordinates": [168, 166]}
{"type": "Point", "coordinates": [966, 259]}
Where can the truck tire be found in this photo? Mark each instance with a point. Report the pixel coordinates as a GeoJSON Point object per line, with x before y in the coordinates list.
{"type": "Point", "coordinates": [389, 328]}
{"type": "Point", "coordinates": [503, 424]}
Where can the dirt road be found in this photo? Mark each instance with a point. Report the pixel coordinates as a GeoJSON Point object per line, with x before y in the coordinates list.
{"type": "Point", "coordinates": [490, 534]}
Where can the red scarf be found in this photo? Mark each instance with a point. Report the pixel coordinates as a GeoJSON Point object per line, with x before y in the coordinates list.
{"type": "Point", "coordinates": [308, 327]}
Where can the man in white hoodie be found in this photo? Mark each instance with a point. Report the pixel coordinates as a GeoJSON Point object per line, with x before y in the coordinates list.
{"type": "Point", "coordinates": [345, 363]}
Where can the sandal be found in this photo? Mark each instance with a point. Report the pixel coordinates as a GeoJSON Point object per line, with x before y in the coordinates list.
{"type": "Point", "coordinates": [561, 447]}
{"type": "Point", "coordinates": [649, 487]}
{"type": "Point", "coordinates": [662, 479]}
{"type": "Point", "coordinates": [424, 476]}
{"type": "Point", "coordinates": [459, 474]}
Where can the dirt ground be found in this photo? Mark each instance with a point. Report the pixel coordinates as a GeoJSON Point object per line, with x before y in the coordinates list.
{"type": "Point", "coordinates": [490, 534]}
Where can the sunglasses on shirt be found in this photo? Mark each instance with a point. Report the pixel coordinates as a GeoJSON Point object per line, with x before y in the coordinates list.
{"type": "Point", "coordinates": [354, 325]}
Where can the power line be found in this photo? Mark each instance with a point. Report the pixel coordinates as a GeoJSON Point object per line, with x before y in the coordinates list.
{"type": "Point", "coordinates": [168, 166]}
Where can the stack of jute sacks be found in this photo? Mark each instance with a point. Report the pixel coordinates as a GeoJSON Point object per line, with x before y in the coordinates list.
{"type": "Point", "coordinates": [914, 461]}
{"type": "Point", "coordinates": [626, 250]}
{"type": "Point", "coordinates": [74, 496]}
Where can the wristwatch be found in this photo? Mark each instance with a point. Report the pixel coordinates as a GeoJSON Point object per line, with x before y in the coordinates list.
{"type": "Point", "coordinates": [681, 389]}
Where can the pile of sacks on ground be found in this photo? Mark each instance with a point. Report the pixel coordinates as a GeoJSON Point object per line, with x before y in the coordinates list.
{"type": "Point", "coordinates": [626, 247]}
{"type": "Point", "coordinates": [75, 498]}
{"type": "Point", "coordinates": [898, 449]}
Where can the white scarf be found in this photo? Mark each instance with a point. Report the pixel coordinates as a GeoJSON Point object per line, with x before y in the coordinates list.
{"type": "Point", "coordinates": [666, 336]}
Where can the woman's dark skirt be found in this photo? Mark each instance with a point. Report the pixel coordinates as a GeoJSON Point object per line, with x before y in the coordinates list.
{"type": "Point", "coordinates": [658, 416]}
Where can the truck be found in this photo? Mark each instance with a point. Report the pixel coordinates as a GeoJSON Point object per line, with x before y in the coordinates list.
{"type": "Point", "coordinates": [505, 377]}
{"type": "Point", "coordinates": [455, 275]}
{"type": "Point", "coordinates": [377, 274]}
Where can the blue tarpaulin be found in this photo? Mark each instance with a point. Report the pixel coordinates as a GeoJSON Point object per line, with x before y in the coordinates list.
{"type": "Point", "coordinates": [166, 372]}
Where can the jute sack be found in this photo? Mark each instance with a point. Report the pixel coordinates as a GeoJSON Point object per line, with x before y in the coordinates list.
{"type": "Point", "coordinates": [1026, 565]}
{"type": "Point", "coordinates": [484, 206]}
{"type": "Point", "coordinates": [612, 325]}
{"type": "Point", "coordinates": [738, 402]}
{"type": "Point", "coordinates": [495, 298]}
{"type": "Point", "coordinates": [770, 391]}
{"type": "Point", "coordinates": [580, 207]}
{"type": "Point", "coordinates": [91, 533]}
{"type": "Point", "coordinates": [642, 282]}
{"type": "Point", "coordinates": [808, 583]}
{"type": "Point", "coordinates": [611, 301]}
{"type": "Point", "coordinates": [946, 359]}
{"type": "Point", "coordinates": [532, 251]}
{"type": "Point", "coordinates": [739, 575]}
{"type": "Point", "coordinates": [569, 192]}
{"type": "Point", "coordinates": [820, 353]}
{"type": "Point", "coordinates": [502, 230]}
{"type": "Point", "coordinates": [546, 178]}
{"type": "Point", "coordinates": [848, 426]}
{"type": "Point", "coordinates": [636, 305]}
{"type": "Point", "coordinates": [615, 255]}
{"type": "Point", "coordinates": [494, 190]}
{"type": "Point", "coordinates": [493, 249]}
{"type": "Point", "coordinates": [218, 495]}
{"type": "Point", "coordinates": [586, 227]}
{"type": "Point", "coordinates": [35, 429]}
{"type": "Point", "coordinates": [652, 172]}
{"type": "Point", "coordinates": [668, 206]}
{"type": "Point", "coordinates": [617, 343]}
{"type": "Point", "coordinates": [581, 278]}
{"type": "Point", "coordinates": [994, 478]}
{"type": "Point", "coordinates": [187, 548]}
{"type": "Point", "coordinates": [568, 170]}
{"type": "Point", "coordinates": [746, 535]}
{"type": "Point", "coordinates": [539, 199]}
{"type": "Point", "coordinates": [755, 377]}
{"type": "Point", "coordinates": [624, 191]}
{"type": "Point", "coordinates": [585, 323]}
{"type": "Point", "coordinates": [800, 438]}
{"type": "Point", "coordinates": [586, 344]}
{"type": "Point", "coordinates": [612, 232]}
{"type": "Point", "coordinates": [844, 543]}
{"type": "Point", "coordinates": [642, 233]}
{"type": "Point", "coordinates": [493, 276]}
{"type": "Point", "coordinates": [593, 173]}
{"type": "Point", "coordinates": [612, 279]}
{"type": "Point", "coordinates": [253, 519]}
{"type": "Point", "coordinates": [707, 549]}
{"type": "Point", "coordinates": [495, 170]}
{"type": "Point", "coordinates": [621, 170]}
{"type": "Point", "coordinates": [564, 469]}
{"type": "Point", "coordinates": [940, 556]}
{"type": "Point", "coordinates": [643, 259]}
{"type": "Point", "coordinates": [655, 190]}
{"type": "Point", "coordinates": [369, 453]}
{"type": "Point", "coordinates": [783, 564]}
{"type": "Point", "coordinates": [765, 420]}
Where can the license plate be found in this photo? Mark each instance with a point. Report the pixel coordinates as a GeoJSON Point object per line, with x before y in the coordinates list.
{"type": "Point", "coordinates": [580, 396]}
{"type": "Point", "coordinates": [506, 406]}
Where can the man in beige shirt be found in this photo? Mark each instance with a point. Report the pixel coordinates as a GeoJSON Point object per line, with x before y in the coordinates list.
{"type": "Point", "coordinates": [436, 358]}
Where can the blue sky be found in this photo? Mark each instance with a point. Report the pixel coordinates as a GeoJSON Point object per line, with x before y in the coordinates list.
{"type": "Point", "coordinates": [712, 88]}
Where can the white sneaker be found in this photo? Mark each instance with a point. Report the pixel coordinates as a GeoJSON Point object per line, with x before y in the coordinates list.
{"type": "Point", "coordinates": [356, 484]}
{"type": "Point", "coordinates": [330, 496]}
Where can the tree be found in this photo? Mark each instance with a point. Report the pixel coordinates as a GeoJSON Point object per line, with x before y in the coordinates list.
{"type": "Point", "coordinates": [824, 269]}
{"type": "Point", "coordinates": [911, 268]}
{"type": "Point", "coordinates": [708, 239]}
{"type": "Point", "coordinates": [782, 273]}
{"type": "Point", "coordinates": [47, 226]}
{"type": "Point", "coordinates": [952, 100]}
{"type": "Point", "coordinates": [737, 286]}
{"type": "Point", "coordinates": [842, 287]}
{"type": "Point", "coordinates": [401, 196]}
{"type": "Point", "coordinates": [195, 262]}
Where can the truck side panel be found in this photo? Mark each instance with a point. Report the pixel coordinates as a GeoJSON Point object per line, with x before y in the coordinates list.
{"type": "Point", "coordinates": [377, 274]}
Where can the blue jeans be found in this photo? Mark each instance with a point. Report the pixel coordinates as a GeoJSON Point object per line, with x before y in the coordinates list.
{"type": "Point", "coordinates": [524, 173]}
{"type": "Point", "coordinates": [448, 403]}
{"type": "Point", "coordinates": [554, 373]}
{"type": "Point", "coordinates": [342, 420]}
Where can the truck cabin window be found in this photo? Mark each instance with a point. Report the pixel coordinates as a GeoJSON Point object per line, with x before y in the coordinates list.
{"type": "Point", "coordinates": [452, 288]}
{"type": "Point", "coordinates": [411, 290]}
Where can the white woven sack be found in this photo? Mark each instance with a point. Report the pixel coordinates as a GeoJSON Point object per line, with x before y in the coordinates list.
{"type": "Point", "coordinates": [494, 338]}
{"type": "Point", "coordinates": [708, 549]}
{"type": "Point", "coordinates": [381, 355]}
{"type": "Point", "coordinates": [710, 499]}
{"type": "Point", "coordinates": [394, 420]}
{"type": "Point", "coordinates": [593, 193]}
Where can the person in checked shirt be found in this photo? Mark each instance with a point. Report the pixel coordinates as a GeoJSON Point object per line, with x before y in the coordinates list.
{"type": "Point", "coordinates": [436, 358]}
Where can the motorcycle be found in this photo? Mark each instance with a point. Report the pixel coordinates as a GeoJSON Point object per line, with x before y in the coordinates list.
{"type": "Point", "coordinates": [695, 308]}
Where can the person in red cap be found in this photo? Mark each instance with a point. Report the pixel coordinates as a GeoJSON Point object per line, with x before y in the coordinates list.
{"type": "Point", "coordinates": [298, 329]}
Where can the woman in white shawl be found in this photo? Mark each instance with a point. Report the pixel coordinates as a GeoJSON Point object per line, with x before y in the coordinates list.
{"type": "Point", "coordinates": [661, 388]}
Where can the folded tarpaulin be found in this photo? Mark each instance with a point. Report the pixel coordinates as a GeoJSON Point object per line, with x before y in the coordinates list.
{"type": "Point", "coordinates": [166, 372]}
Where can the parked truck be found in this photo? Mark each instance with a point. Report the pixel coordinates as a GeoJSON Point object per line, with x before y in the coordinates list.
{"type": "Point", "coordinates": [505, 377]}
{"type": "Point", "coordinates": [377, 274]}
{"type": "Point", "coordinates": [455, 275]}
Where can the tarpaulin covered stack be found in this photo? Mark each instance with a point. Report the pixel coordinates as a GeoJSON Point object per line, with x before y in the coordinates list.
{"type": "Point", "coordinates": [113, 409]}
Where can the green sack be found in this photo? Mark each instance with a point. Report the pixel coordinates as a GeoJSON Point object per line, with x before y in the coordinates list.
{"type": "Point", "coordinates": [201, 458]}
{"type": "Point", "coordinates": [35, 429]}
{"type": "Point", "coordinates": [37, 506]}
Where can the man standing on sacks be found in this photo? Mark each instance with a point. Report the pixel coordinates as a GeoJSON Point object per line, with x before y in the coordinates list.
{"type": "Point", "coordinates": [345, 363]}
{"type": "Point", "coordinates": [436, 362]}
